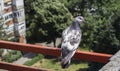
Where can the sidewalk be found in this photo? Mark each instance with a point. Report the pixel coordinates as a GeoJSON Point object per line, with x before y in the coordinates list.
{"type": "Point", "coordinates": [25, 58]}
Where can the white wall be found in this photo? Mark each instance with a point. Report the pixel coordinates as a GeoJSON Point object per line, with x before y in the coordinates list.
{"type": "Point", "coordinates": [18, 2]}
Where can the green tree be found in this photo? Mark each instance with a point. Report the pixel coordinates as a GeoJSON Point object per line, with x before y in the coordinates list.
{"type": "Point", "coordinates": [0, 31]}
{"type": "Point", "coordinates": [47, 18]}
{"type": "Point", "coordinates": [3, 35]}
{"type": "Point", "coordinates": [1, 51]}
{"type": "Point", "coordinates": [76, 7]}
{"type": "Point", "coordinates": [12, 56]}
{"type": "Point", "coordinates": [105, 27]}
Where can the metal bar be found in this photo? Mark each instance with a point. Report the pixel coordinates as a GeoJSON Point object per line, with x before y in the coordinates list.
{"type": "Point", "coordinates": [80, 55]}
{"type": "Point", "coordinates": [15, 67]}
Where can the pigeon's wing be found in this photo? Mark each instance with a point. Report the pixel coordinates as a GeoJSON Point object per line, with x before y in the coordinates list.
{"type": "Point", "coordinates": [65, 34]}
{"type": "Point", "coordinates": [70, 42]}
{"type": "Point", "coordinates": [71, 38]}
{"type": "Point", "coordinates": [74, 38]}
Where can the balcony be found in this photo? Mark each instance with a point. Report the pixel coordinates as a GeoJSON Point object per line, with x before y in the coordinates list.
{"type": "Point", "coordinates": [7, 3]}
{"type": "Point", "coordinates": [10, 22]}
{"type": "Point", "coordinates": [8, 9]}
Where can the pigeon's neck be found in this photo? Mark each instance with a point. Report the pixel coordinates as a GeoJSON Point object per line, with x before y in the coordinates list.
{"type": "Point", "coordinates": [76, 25]}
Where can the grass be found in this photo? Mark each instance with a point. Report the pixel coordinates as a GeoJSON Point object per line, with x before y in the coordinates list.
{"type": "Point", "coordinates": [34, 60]}
{"type": "Point", "coordinates": [54, 65]}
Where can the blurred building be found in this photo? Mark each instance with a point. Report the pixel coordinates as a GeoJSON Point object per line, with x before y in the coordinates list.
{"type": "Point", "coordinates": [12, 18]}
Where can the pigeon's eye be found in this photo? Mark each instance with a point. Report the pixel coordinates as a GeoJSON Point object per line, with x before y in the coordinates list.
{"type": "Point", "coordinates": [80, 18]}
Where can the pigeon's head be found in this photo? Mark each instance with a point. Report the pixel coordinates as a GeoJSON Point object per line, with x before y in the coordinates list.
{"type": "Point", "coordinates": [79, 19]}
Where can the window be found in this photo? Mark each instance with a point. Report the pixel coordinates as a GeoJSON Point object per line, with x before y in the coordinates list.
{"type": "Point", "coordinates": [11, 16]}
{"type": "Point", "coordinates": [17, 14]}
{"type": "Point", "coordinates": [6, 17]}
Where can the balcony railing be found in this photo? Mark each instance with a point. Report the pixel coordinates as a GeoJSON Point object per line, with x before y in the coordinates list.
{"type": "Point", "coordinates": [79, 55]}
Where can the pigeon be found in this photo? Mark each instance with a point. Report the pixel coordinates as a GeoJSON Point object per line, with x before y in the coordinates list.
{"type": "Point", "coordinates": [71, 38]}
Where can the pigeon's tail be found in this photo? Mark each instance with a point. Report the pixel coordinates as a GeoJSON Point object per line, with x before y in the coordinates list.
{"type": "Point", "coordinates": [66, 58]}
{"type": "Point", "coordinates": [65, 65]}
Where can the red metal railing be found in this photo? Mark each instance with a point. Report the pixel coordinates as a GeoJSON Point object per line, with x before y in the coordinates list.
{"type": "Point", "coordinates": [14, 67]}
{"type": "Point", "coordinates": [80, 55]}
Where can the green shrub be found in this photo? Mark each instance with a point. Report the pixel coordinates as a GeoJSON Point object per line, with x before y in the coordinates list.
{"type": "Point", "coordinates": [1, 51]}
{"type": "Point", "coordinates": [48, 19]}
{"type": "Point", "coordinates": [34, 60]}
{"type": "Point", "coordinates": [12, 56]}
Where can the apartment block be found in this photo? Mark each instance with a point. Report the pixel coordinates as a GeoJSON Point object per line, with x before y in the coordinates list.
{"type": "Point", "coordinates": [12, 19]}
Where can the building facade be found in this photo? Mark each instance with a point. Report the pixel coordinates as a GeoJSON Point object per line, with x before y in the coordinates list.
{"type": "Point", "coordinates": [12, 18]}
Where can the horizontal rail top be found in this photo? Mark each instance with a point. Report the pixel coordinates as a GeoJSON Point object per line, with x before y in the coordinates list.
{"type": "Point", "coordinates": [14, 67]}
{"type": "Point", "coordinates": [79, 55]}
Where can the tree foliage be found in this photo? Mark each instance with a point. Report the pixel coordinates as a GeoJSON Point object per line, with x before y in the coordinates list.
{"type": "Point", "coordinates": [3, 35]}
{"type": "Point", "coordinates": [47, 18]}
{"type": "Point", "coordinates": [101, 31]}
{"type": "Point", "coordinates": [1, 51]}
{"type": "Point", "coordinates": [0, 31]}
{"type": "Point", "coordinates": [12, 56]}
{"type": "Point", "coordinates": [105, 35]}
